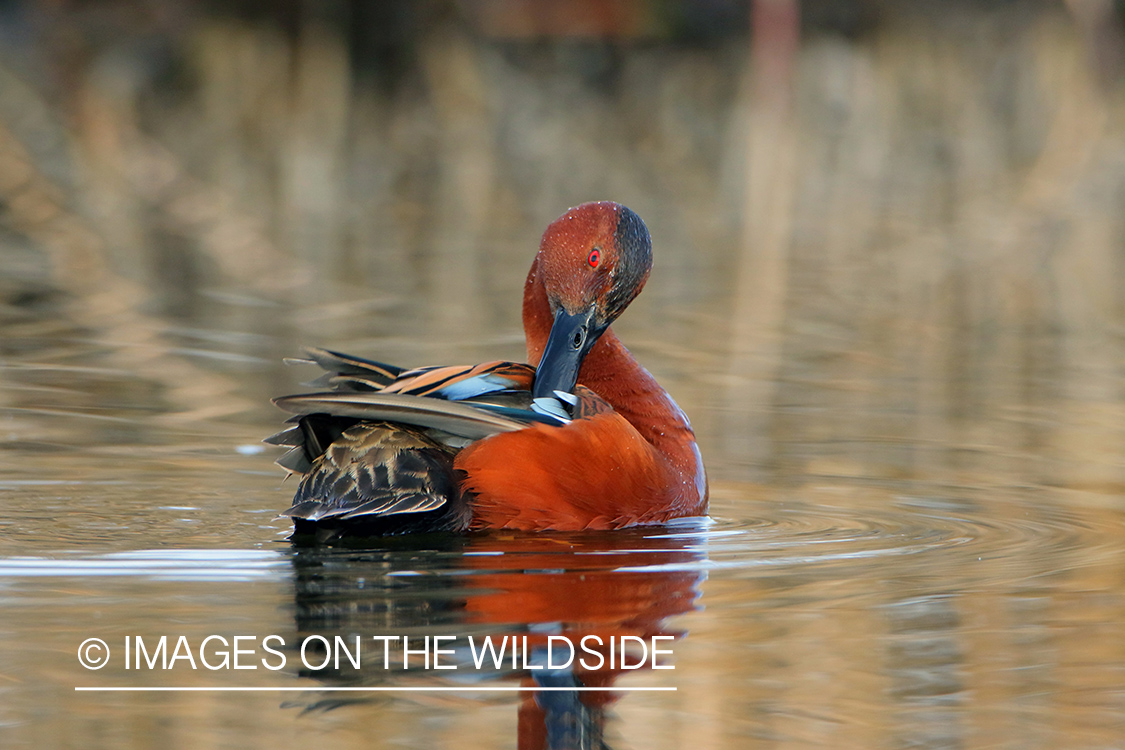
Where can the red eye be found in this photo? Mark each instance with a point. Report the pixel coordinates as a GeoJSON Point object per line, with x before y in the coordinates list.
{"type": "Point", "coordinates": [594, 257]}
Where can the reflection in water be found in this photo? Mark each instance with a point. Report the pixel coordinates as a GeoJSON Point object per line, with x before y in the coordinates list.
{"type": "Point", "coordinates": [924, 664]}
{"type": "Point", "coordinates": [863, 622]}
{"type": "Point", "coordinates": [886, 290]}
{"type": "Point", "coordinates": [591, 590]}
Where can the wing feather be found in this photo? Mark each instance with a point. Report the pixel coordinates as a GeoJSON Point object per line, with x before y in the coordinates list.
{"type": "Point", "coordinates": [347, 364]}
{"type": "Point", "coordinates": [456, 418]}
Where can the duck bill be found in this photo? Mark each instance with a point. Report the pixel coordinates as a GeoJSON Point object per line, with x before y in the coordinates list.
{"type": "Point", "coordinates": [571, 338]}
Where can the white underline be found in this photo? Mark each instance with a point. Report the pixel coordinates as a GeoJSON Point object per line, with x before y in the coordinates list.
{"type": "Point", "coordinates": [497, 689]}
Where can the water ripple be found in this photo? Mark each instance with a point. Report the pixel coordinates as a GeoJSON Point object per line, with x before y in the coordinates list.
{"type": "Point", "coordinates": [769, 535]}
{"type": "Point", "coordinates": [162, 565]}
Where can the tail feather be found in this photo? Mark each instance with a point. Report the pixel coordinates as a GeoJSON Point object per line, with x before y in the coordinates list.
{"type": "Point", "coordinates": [296, 461]}
{"type": "Point", "coordinates": [291, 436]}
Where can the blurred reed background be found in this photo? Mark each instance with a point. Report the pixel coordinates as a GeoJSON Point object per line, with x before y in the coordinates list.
{"type": "Point", "coordinates": [890, 244]}
{"type": "Point", "coordinates": [889, 235]}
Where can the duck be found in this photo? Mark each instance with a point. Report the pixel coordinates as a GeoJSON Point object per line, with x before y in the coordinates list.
{"type": "Point", "coordinates": [580, 437]}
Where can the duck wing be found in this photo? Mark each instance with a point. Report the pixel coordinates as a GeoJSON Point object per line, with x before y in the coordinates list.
{"type": "Point", "coordinates": [347, 372]}
{"type": "Point", "coordinates": [472, 420]}
{"type": "Point", "coordinates": [376, 450]}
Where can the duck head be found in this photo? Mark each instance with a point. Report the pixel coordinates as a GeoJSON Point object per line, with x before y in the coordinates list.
{"type": "Point", "coordinates": [592, 262]}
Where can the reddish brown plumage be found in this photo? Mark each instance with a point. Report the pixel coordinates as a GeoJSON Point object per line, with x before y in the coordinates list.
{"type": "Point", "coordinates": [582, 438]}
{"type": "Point", "coordinates": [637, 464]}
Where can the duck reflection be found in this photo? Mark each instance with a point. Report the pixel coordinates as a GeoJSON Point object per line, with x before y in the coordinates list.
{"type": "Point", "coordinates": [567, 602]}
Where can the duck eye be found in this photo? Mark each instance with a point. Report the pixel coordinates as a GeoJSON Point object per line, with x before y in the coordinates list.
{"type": "Point", "coordinates": [594, 258]}
{"type": "Point", "coordinates": [579, 337]}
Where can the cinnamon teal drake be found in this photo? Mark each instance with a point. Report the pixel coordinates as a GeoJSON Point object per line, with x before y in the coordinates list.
{"type": "Point", "coordinates": [582, 437]}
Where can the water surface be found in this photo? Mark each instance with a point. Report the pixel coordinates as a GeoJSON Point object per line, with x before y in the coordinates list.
{"type": "Point", "coordinates": [886, 292]}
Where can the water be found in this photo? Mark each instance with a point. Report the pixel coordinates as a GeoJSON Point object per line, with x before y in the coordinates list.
{"type": "Point", "coordinates": [898, 334]}
{"type": "Point", "coordinates": [851, 612]}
